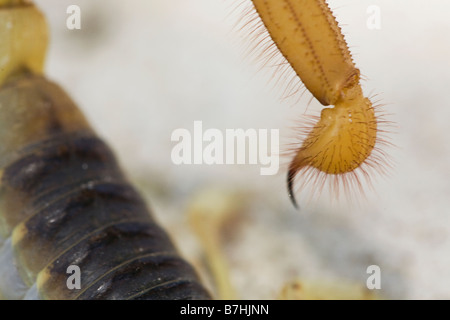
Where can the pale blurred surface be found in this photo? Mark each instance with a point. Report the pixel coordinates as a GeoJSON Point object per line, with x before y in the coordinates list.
{"type": "Point", "coordinates": [139, 69]}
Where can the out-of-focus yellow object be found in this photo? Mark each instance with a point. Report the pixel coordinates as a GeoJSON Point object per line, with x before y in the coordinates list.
{"type": "Point", "coordinates": [208, 212]}
{"type": "Point", "coordinates": [303, 289]}
{"type": "Point", "coordinates": [12, 2]}
{"type": "Point", "coordinates": [23, 48]}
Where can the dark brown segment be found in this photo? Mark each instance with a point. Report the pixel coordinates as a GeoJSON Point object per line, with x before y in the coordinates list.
{"type": "Point", "coordinates": [72, 157]}
{"type": "Point", "coordinates": [104, 251]}
{"type": "Point", "coordinates": [71, 218]}
{"type": "Point", "coordinates": [177, 290]}
{"type": "Point", "coordinates": [46, 172]}
{"type": "Point", "coordinates": [147, 277]}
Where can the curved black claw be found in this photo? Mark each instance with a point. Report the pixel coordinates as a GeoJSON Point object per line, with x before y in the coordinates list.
{"type": "Point", "coordinates": [290, 183]}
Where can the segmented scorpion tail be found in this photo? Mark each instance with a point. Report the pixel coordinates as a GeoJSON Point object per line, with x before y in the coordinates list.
{"type": "Point", "coordinates": [63, 199]}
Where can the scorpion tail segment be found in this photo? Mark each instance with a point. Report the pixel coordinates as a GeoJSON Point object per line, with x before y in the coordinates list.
{"type": "Point", "coordinates": [24, 38]}
{"type": "Point", "coordinates": [65, 202]}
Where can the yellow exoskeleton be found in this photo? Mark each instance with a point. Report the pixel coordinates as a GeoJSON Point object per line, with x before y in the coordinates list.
{"type": "Point", "coordinates": [343, 140]}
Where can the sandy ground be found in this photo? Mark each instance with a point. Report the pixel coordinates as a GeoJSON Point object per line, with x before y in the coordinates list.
{"type": "Point", "coordinates": [140, 69]}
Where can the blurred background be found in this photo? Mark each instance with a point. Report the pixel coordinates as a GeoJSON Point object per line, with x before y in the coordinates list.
{"type": "Point", "coordinates": [140, 69]}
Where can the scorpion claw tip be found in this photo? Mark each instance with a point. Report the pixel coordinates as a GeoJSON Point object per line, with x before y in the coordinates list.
{"type": "Point", "coordinates": [290, 184]}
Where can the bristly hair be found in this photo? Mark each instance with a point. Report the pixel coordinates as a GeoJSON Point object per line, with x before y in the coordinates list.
{"type": "Point", "coordinates": [350, 185]}
{"type": "Point", "coordinates": [263, 51]}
